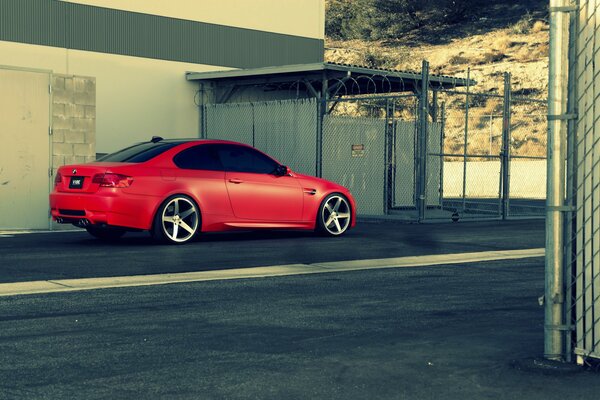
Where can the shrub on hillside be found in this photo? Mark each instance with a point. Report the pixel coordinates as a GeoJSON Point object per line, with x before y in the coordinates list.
{"type": "Point", "coordinates": [347, 19]}
{"type": "Point", "coordinates": [385, 19]}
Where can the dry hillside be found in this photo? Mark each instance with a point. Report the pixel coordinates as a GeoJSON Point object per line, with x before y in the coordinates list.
{"type": "Point", "coordinates": [523, 53]}
{"type": "Point", "coordinates": [508, 37]}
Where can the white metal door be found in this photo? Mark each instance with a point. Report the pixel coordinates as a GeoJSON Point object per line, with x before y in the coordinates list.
{"type": "Point", "coordinates": [24, 149]}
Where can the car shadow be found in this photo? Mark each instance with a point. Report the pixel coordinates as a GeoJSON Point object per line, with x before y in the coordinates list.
{"type": "Point", "coordinates": [137, 239]}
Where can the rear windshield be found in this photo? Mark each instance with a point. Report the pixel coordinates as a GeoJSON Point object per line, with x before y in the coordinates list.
{"type": "Point", "coordinates": [139, 153]}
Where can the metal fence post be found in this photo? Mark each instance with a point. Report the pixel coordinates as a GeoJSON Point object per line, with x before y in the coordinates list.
{"type": "Point", "coordinates": [442, 151]}
{"type": "Point", "coordinates": [388, 153]}
{"type": "Point", "coordinates": [554, 326]}
{"type": "Point", "coordinates": [422, 150]}
{"type": "Point", "coordinates": [505, 152]}
{"type": "Point", "coordinates": [465, 146]}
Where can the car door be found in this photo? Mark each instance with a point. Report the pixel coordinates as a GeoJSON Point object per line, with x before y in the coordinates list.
{"type": "Point", "coordinates": [255, 191]}
{"type": "Point", "coordinates": [202, 175]}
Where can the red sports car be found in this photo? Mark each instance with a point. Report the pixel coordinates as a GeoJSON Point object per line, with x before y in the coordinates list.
{"type": "Point", "coordinates": [178, 188]}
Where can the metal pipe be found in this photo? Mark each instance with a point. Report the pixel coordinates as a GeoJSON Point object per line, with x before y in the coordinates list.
{"type": "Point", "coordinates": [557, 129]}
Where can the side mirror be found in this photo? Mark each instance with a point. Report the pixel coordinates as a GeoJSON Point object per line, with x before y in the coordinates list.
{"type": "Point", "coordinates": [282, 170]}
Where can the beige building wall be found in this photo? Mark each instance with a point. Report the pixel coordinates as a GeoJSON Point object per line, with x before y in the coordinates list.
{"type": "Point", "coordinates": [291, 17]}
{"type": "Point", "coordinates": [136, 98]}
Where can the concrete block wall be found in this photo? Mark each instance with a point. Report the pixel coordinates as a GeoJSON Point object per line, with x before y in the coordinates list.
{"type": "Point", "coordinates": [73, 119]}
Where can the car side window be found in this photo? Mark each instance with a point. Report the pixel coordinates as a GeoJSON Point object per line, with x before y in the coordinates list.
{"type": "Point", "coordinates": [244, 159]}
{"type": "Point", "coordinates": [202, 157]}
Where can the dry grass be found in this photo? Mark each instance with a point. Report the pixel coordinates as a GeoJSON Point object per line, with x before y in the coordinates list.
{"type": "Point", "coordinates": [459, 59]}
{"type": "Point", "coordinates": [491, 57]}
{"type": "Point", "coordinates": [502, 43]}
{"type": "Point", "coordinates": [539, 26]}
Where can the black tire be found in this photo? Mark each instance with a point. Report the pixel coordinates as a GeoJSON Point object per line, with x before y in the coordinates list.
{"type": "Point", "coordinates": [334, 216]}
{"type": "Point", "coordinates": [177, 220]}
{"type": "Point", "coordinates": [109, 233]}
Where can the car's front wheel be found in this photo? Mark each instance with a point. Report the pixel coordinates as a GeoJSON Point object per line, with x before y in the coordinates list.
{"type": "Point", "coordinates": [177, 220]}
{"type": "Point", "coordinates": [334, 215]}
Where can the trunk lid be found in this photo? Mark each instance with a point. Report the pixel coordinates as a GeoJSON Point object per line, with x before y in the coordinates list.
{"type": "Point", "coordinates": [79, 178]}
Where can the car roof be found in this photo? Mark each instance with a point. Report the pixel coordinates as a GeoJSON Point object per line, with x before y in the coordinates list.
{"type": "Point", "coordinates": [196, 140]}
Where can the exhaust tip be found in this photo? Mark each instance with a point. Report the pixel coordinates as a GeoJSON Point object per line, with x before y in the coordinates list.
{"type": "Point", "coordinates": [83, 222]}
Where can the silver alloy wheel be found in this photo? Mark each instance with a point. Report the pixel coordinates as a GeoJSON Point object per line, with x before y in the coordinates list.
{"type": "Point", "coordinates": [335, 215]}
{"type": "Point", "coordinates": [179, 219]}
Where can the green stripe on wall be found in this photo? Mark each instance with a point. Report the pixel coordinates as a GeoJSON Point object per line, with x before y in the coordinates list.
{"type": "Point", "coordinates": [75, 26]}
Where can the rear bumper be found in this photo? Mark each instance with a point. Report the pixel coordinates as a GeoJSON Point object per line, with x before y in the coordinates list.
{"type": "Point", "coordinates": [106, 206]}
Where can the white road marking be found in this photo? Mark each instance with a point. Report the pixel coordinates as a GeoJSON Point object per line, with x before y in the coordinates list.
{"type": "Point", "coordinates": [27, 232]}
{"type": "Point", "coordinates": [70, 285]}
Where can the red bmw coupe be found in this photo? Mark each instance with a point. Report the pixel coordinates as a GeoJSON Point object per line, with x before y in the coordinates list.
{"type": "Point", "coordinates": [178, 188]}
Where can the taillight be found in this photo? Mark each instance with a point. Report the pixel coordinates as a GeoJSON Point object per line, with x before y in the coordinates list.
{"type": "Point", "coordinates": [113, 180]}
{"type": "Point", "coordinates": [57, 178]}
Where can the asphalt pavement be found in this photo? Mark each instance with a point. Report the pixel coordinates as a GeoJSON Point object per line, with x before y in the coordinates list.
{"type": "Point", "coordinates": [441, 332]}
{"type": "Point", "coordinates": [66, 255]}
{"type": "Point", "coordinates": [461, 331]}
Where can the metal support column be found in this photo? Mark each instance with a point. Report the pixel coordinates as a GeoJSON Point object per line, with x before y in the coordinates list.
{"type": "Point", "coordinates": [505, 152]}
{"type": "Point", "coordinates": [202, 111]}
{"type": "Point", "coordinates": [321, 110]}
{"type": "Point", "coordinates": [422, 150]}
{"type": "Point", "coordinates": [554, 297]}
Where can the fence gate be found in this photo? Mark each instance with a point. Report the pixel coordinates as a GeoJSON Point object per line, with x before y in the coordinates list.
{"type": "Point", "coordinates": [354, 150]}
{"type": "Point", "coordinates": [369, 146]}
{"type": "Point", "coordinates": [472, 153]}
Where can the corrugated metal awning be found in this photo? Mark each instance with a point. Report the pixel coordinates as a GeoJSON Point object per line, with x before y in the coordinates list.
{"type": "Point", "coordinates": [367, 79]}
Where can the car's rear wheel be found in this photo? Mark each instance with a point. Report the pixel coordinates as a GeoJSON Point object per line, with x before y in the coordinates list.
{"type": "Point", "coordinates": [334, 215]}
{"type": "Point", "coordinates": [107, 233]}
{"type": "Point", "coordinates": [177, 220]}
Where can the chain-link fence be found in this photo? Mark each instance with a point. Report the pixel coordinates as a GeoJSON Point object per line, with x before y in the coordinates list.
{"type": "Point", "coordinates": [286, 129]}
{"type": "Point", "coordinates": [459, 157]}
{"type": "Point", "coordinates": [580, 272]}
{"type": "Point", "coordinates": [528, 147]}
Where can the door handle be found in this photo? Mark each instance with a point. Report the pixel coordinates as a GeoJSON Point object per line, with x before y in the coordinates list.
{"type": "Point", "coordinates": [236, 181]}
